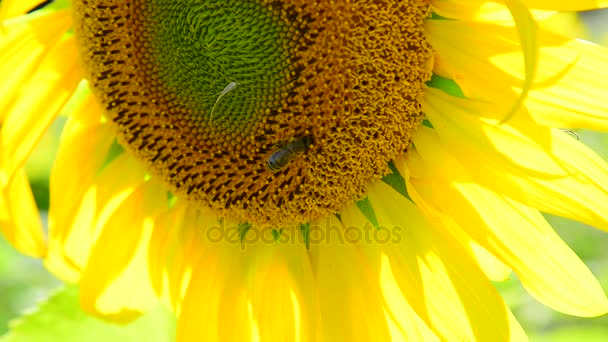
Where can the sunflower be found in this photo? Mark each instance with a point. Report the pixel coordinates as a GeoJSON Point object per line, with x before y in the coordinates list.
{"type": "Point", "coordinates": [306, 170]}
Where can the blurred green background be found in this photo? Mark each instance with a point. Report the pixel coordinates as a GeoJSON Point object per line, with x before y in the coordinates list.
{"type": "Point", "coordinates": [24, 282]}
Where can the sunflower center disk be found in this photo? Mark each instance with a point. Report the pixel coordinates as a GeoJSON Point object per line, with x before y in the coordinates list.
{"type": "Point", "coordinates": [276, 112]}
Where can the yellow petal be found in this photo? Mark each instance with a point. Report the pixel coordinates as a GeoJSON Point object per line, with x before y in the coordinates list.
{"type": "Point", "coordinates": [19, 217]}
{"type": "Point", "coordinates": [564, 103]}
{"type": "Point", "coordinates": [13, 8]}
{"type": "Point", "coordinates": [265, 286]}
{"type": "Point", "coordinates": [187, 243]}
{"type": "Point", "coordinates": [480, 10]}
{"type": "Point", "coordinates": [566, 5]}
{"type": "Point", "coordinates": [113, 185]}
{"type": "Point", "coordinates": [475, 10]}
{"type": "Point", "coordinates": [40, 102]}
{"type": "Point", "coordinates": [403, 322]}
{"type": "Point", "coordinates": [69, 249]}
{"type": "Point", "coordinates": [545, 169]}
{"type": "Point", "coordinates": [347, 281]}
{"type": "Point", "coordinates": [464, 305]}
{"type": "Point", "coordinates": [493, 268]}
{"type": "Point", "coordinates": [115, 282]}
{"type": "Point", "coordinates": [569, 24]}
{"type": "Point", "coordinates": [23, 45]}
{"type": "Point", "coordinates": [465, 53]}
{"type": "Point", "coordinates": [526, 31]}
{"type": "Point", "coordinates": [485, 61]}
{"type": "Point", "coordinates": [85, 141]}
{"type": "Point", "coordinates": [212, 295]}
{"type": "Point", "coordinates": [278, 280]}
{"type": "Point", "coordinates": [163, 245]}
{"type": "Point", "coordinates": [517, 234]}
{"type": "Point", "coordinates": [483, 9]}
{"type": "Point", "coordinates": [73, 205]}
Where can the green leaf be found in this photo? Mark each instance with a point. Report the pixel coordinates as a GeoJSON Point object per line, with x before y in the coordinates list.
{"type": "Point", "coordinates": [60, 318]}
{"type": "Point", "coordinates": [60, 4]}
{"type": "Point", "coordinates": [368, 211]}
{"type": "Point", "coordinates": [445, 84]}
{"type": "Point", "coordinates": [569, 334]}
{"type": "Point", "coordinates": [396, 181]}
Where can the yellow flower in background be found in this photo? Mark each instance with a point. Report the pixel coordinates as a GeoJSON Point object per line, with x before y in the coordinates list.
{"type": "Point", "coordinates": [344, 170]}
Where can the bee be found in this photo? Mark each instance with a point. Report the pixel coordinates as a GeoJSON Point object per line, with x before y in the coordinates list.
{"type": "Point", "coordinates": [287, 153]}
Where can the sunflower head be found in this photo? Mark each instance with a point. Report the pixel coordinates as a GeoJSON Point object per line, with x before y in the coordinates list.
{"type": "Point", "coordinates": [273, 112]}
{"type": "Point", "coordinates": [298, 115]}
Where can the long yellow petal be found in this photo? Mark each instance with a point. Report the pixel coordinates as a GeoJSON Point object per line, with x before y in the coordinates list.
{"type": "Point", "coordinates": [84, 137]}
{"type": "Point", "coordinates": [464, 9]}
{"type": "Point", "coordinates": [73, 202]}
{"type": "Point", "coordinates": [278, 280]}
{"type": "Point", "coordinates": [476, 10]}
{"type": "Point", "coordinates": [213, 284]}
{"type": "Point", "coordinates": [403, 322]}
{"type": "Point", "coordinates": [69, 249]}
{"type": "Point", "coordinates": [19, 217]}
{"type": "Point", "coordinates": [163, 245]}
{"type": "Point", "coordinates": [527, 34]}
{"type": "Point", "coordinates": [471, 47]}
{"type": "Point", "coordinates": [187, 243]}
{"type": "Point", "coordinates": [464, 305]}
{"type": "Point", "coordinates": [40, 102]}
{"type": "Point", "coordinates": [563, 104]}
{"type": "Point", "coordinates": [485, 61]}
{"type": "Point", "coordinates": [481, 11]}
{"type": "Point", "coordinates": [491, 266]}
{"type": "Point", "coordinates": [517, 234]}
{"type": "Point", "coordinates": [115, 282]}
{"type": "Point", "coordinates": [347, 280]}
{"type": "Point", "coordinates": [566, 5]}
{"type": "Point", "coordinates": [23, 45]}
{"type": "Point", "coordinates": [543, 168]}
{"type": "Point", "coordinates": [13, 8]}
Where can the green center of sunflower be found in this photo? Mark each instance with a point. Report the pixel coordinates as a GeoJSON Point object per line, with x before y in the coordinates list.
{"type": "Point", "coordinates": [276, 112]}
